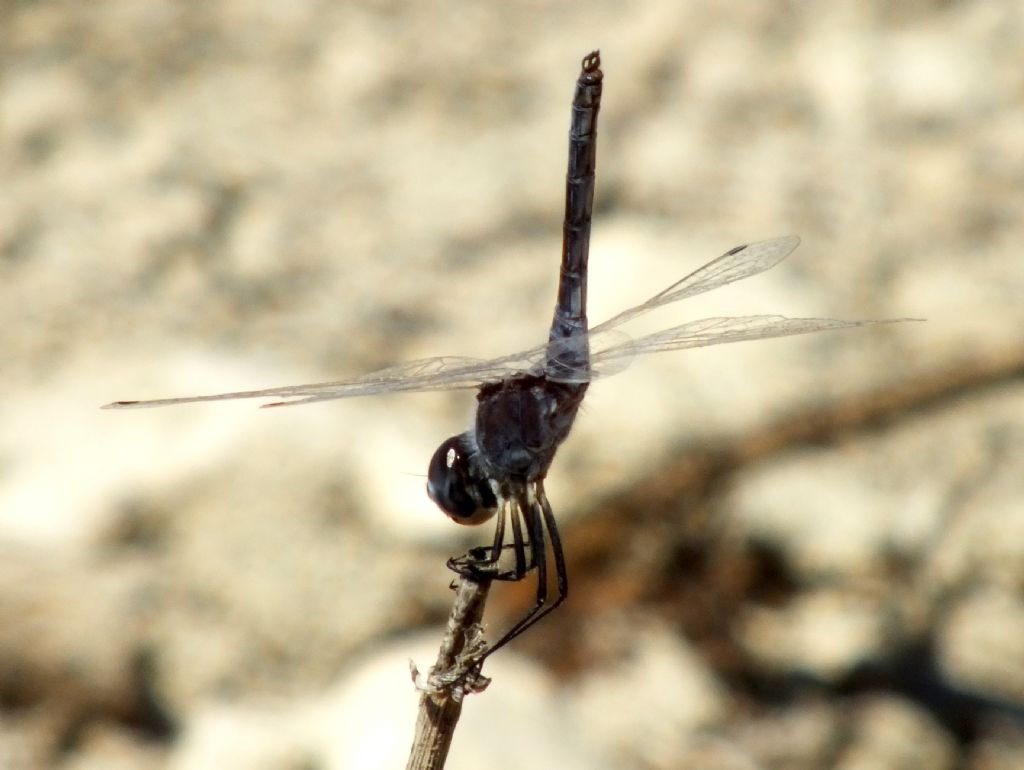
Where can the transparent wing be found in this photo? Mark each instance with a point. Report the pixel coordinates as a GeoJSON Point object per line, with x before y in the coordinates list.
{"type": "Point", "coordinates": [735, 265]}
{"type": "Point", "coordinates": [611, 350]}
{"type": "Point", "coordinates": [441, 373]}
{"type": "Point", "coordinates": [710, 331]}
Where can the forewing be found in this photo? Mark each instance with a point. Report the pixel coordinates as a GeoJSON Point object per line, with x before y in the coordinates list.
{"type": "Point", "coordinates": [440, 373]}
{"type": "Point", "coordinates": [735, 265]}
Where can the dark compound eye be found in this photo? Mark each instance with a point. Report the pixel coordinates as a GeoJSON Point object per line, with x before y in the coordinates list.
{"type": "Point", "coordinates": [458, 485]}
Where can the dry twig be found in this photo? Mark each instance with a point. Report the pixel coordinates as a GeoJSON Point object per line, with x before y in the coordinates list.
{"type": "Point", "coordinates": [455, 674]}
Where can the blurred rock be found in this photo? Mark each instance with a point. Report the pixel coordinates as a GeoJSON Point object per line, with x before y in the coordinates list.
{"type": "Point", "coordinates": [801, 736]}
{"type": "Point", "coordinates": [1000, 746]}
{"type": "Point", "coordinates": [825, 633]}
{"type": "Point", "coordinates": [644, 707]}
{"type": "Point", "coordinates": [980, 646]}
{"type": "Point", "coordinates": [886, 733]}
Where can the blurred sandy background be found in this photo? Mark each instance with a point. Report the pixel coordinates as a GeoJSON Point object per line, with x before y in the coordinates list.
{"type": "Point", "coordinates": [793, 554]}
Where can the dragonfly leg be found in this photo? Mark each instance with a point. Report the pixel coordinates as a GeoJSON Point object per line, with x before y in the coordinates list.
{"type": "Point", "coordinates": [483, 561]}
{"type": "Point", "coordinates": [538, 514]}
{"type": "Point", "coordinates": [539, 517]}
{"type": "Point", "coordinates": [519, 544]}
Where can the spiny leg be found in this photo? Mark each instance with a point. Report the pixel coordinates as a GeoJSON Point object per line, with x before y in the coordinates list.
{"type": "Point", "coordinates": [483, 561]}
{"type": "Point", "coordinates": [519, 544]}
{"type": "Point", "coordinates": [544, 518]}
{"type": "Point", "coordinates": [475, 565]}
{"type": "Point", "coordinates": [538, 516]}
{"type": "Point", "coordinates": [522, 566]}
{"type": "Point", "coordinates": [561, 573]}
{"type": "Point", "coordinates": [499, 533]}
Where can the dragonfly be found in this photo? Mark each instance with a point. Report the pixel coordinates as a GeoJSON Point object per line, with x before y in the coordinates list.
{"type": "Point", "coordinates": [527, 401]}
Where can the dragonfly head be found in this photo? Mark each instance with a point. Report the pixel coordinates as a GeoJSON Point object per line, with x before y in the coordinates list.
{"type": "Point", "coordinates": [456, 481]}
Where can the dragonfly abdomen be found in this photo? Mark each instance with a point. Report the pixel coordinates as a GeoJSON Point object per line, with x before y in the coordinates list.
{"type": "Point", "coordinates": [570, 317]}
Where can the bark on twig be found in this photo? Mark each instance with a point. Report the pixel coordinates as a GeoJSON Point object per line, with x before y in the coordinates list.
{"type": "Point", "coordinates": [454, 675]}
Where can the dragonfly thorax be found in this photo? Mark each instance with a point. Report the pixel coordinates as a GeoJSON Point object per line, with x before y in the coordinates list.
{"type": "Point", "coordinates": [520, 424]}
